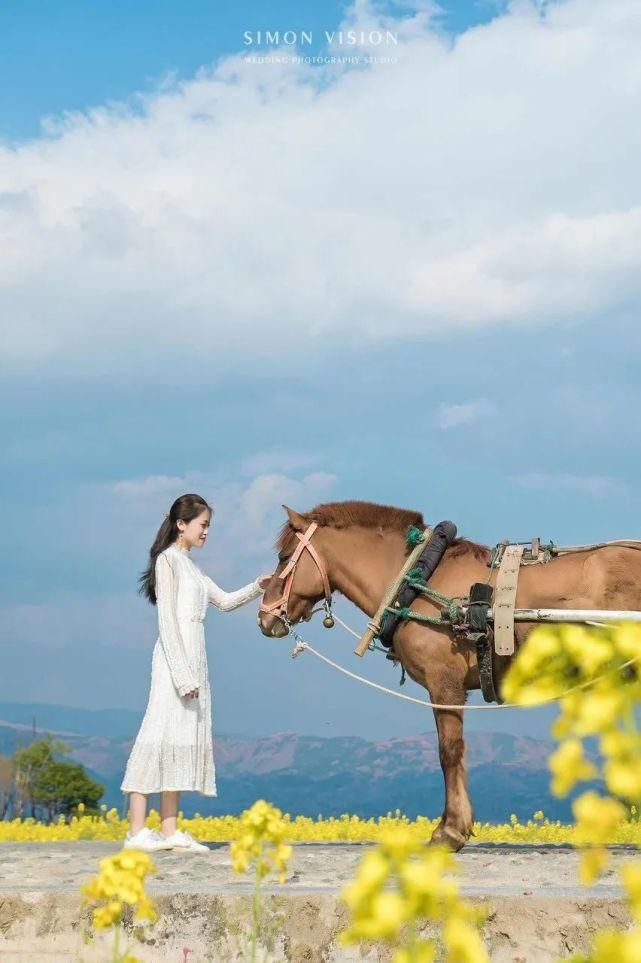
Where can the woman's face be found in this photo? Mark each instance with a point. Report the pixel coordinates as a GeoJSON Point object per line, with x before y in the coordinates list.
{"type": "Point", "coordinates": [194, 533]}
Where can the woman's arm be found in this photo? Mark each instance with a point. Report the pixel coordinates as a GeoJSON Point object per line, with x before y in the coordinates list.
{"type": "Point", "coordinates": [231, 600]}
{"type": "Point", "coordinates": [170, 638]}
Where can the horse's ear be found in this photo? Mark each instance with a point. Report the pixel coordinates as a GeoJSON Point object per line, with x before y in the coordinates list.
{"type": "Point", "coordinates": [297, 521]}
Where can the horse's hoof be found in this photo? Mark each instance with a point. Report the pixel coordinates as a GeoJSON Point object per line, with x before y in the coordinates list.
{"type": "Point", "coordinates": [448, 837]}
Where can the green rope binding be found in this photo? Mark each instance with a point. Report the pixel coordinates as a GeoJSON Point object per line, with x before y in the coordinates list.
{"type": "Point", "coordinates": [415, 573]}
{"type": "Point", "coordinates": [406, 613]}
{"type": "Point", "coordinates": [454, 610]}
{"type": "Point", "coordinates": [422, 586]}
{"type": "Point", "coordinates": [453, 613]}
{"type": "Point", "coordinates": [414, 535]}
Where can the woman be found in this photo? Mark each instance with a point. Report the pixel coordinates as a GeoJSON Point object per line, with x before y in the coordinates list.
{"type": "Point", "coordinates": [173, 750]}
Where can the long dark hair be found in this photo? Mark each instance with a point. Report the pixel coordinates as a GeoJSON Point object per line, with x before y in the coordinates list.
{"type": "Point", "coordinates": [185, 508]}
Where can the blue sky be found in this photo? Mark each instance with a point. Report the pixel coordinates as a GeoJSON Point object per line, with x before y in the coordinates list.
{"type": "Point", "coordinates": [71, 54]}
{"type": "Point", "coordinates": [415, 284]}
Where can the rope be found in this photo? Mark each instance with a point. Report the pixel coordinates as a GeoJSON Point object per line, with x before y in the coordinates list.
{"type": "Point", "coordinates": [455, 613]}
{"type": "Point", "coordinates": [414, 535]}
{"type": "Point", "coordinates": [372, 646]}
{"type": "Point", "coordinates": [406, 613]}
{"type": "Point", "coordinates": [356, 635]}
{"type": "Point", "coordinates": [302, 646]}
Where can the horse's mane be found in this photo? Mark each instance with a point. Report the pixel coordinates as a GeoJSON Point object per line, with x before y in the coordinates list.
{"type": "Point", "coordinates": [371, 515]}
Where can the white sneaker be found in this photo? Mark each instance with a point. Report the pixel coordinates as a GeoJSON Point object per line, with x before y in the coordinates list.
{"type": "Point", "coordinates": [147, 839]}
{"type": "Point", "coordinates": [184, 840]}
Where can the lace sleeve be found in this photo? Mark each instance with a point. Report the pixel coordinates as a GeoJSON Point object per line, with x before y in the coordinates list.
{"type": "Point", "coordinates": [231, 600]}
{"type": "Point", "coordinates": [170, 638]}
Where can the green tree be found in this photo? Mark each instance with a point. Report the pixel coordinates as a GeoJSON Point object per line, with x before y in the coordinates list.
{"type": "Point", "coordinates": [53, 784]}
{"type": "Point", "coordinates": [7, 785]}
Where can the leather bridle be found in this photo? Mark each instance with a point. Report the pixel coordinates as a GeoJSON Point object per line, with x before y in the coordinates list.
{"type": "Point", "coordinates": [279, 606]}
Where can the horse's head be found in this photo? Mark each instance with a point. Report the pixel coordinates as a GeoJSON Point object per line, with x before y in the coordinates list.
{"type": "Point", "coordinates": [299, 581]}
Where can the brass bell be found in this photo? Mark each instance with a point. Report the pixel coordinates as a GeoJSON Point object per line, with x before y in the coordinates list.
{"type": "Point", "coordinates": [328, 621]}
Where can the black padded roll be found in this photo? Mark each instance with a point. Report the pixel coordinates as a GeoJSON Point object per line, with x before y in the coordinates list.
{"type": "Point", "coordinates": [442, 537]}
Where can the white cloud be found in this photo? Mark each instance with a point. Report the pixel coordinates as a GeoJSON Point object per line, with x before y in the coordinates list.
{"type": "Point", "coordinates": [247, 515]}
{"type": "Point", "coordinates": [596, 485]}
{"type": "Point", "coordinates": [277, 459]}
{"type": "Point", "coordinates": [86, 619]}
{"type": "Point", "coordinates": [149, 486]}
{"type": "Point", "coordinates": [268, 492]}
{"type": "Point", "coordinates": [451, 416]}
{"type": "Point", "coordinates": [492, 180]}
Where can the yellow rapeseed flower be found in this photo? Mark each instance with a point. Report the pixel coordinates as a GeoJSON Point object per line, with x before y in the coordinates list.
{"type": "Point", "coordinates": [594, 859]}
{"type": "Point", "coordinates": [626, 638]}
{"type": "Point", "coordinates": [597, 817]}
{"type": "Point", "coordinates": [260, 841]}
{"type": "Point", "coordinates": [612, 947]}
{"type": "Point", "coordinates": [568, 765]}
{"type": "Point", "coordinates": [417, 953]}
{"type": "Point", "coordinates": [597, 711]}
{"type": "Point", "coordinates": [631, 876]}
{"type": "Point", "coordinates": [402, 882]}
{"type": "Point", "coordinates": [120, 880]}
{"type": "Point", "coordinates": [374, 870]}
{"type": "Point", "coordinates": [107, 915]}
{"type": "Point", "coordinates": [463, 942]}
{"type": "Point", "coordinates": [348, 828]}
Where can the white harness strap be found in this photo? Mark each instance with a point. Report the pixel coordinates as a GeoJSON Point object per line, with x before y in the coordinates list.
{"type": "Point", "coordinates": [505, 598]}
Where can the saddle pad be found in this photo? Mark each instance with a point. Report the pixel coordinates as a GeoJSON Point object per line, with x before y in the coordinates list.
{"type": "Point", "coordinates": [504, 599]}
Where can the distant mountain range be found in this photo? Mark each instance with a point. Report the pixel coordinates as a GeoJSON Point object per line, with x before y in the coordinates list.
{"type": "Point", "coordinates": [308, 774]}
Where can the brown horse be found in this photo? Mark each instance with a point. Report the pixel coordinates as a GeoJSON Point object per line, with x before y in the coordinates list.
{"type": "Point", "coordinates": [361, 547]}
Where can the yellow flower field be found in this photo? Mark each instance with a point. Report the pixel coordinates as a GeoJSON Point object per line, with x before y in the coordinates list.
{"type": "Point", "coordinates": [345, 828]}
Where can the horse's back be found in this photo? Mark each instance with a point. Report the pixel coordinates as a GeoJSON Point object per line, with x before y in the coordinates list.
{"type": "Point", "coordinates": [600, 578]}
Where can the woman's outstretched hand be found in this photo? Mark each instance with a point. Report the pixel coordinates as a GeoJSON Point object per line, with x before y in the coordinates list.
{"type": "Point", "coordinates": [264, 580]}
{"type": "Point", "coordinates": [192, 695]}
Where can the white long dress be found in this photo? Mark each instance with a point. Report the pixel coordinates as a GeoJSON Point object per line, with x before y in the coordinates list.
{"type": "Point", "coordinates": [174, 746]}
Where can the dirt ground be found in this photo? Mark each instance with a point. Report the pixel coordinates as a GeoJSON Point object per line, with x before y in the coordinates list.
{"type": "Point", "coordinates": [537, 910]}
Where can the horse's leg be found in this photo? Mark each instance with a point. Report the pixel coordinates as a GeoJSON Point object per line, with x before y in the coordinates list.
{"type": "Point", "coordinates": [456, 822]}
